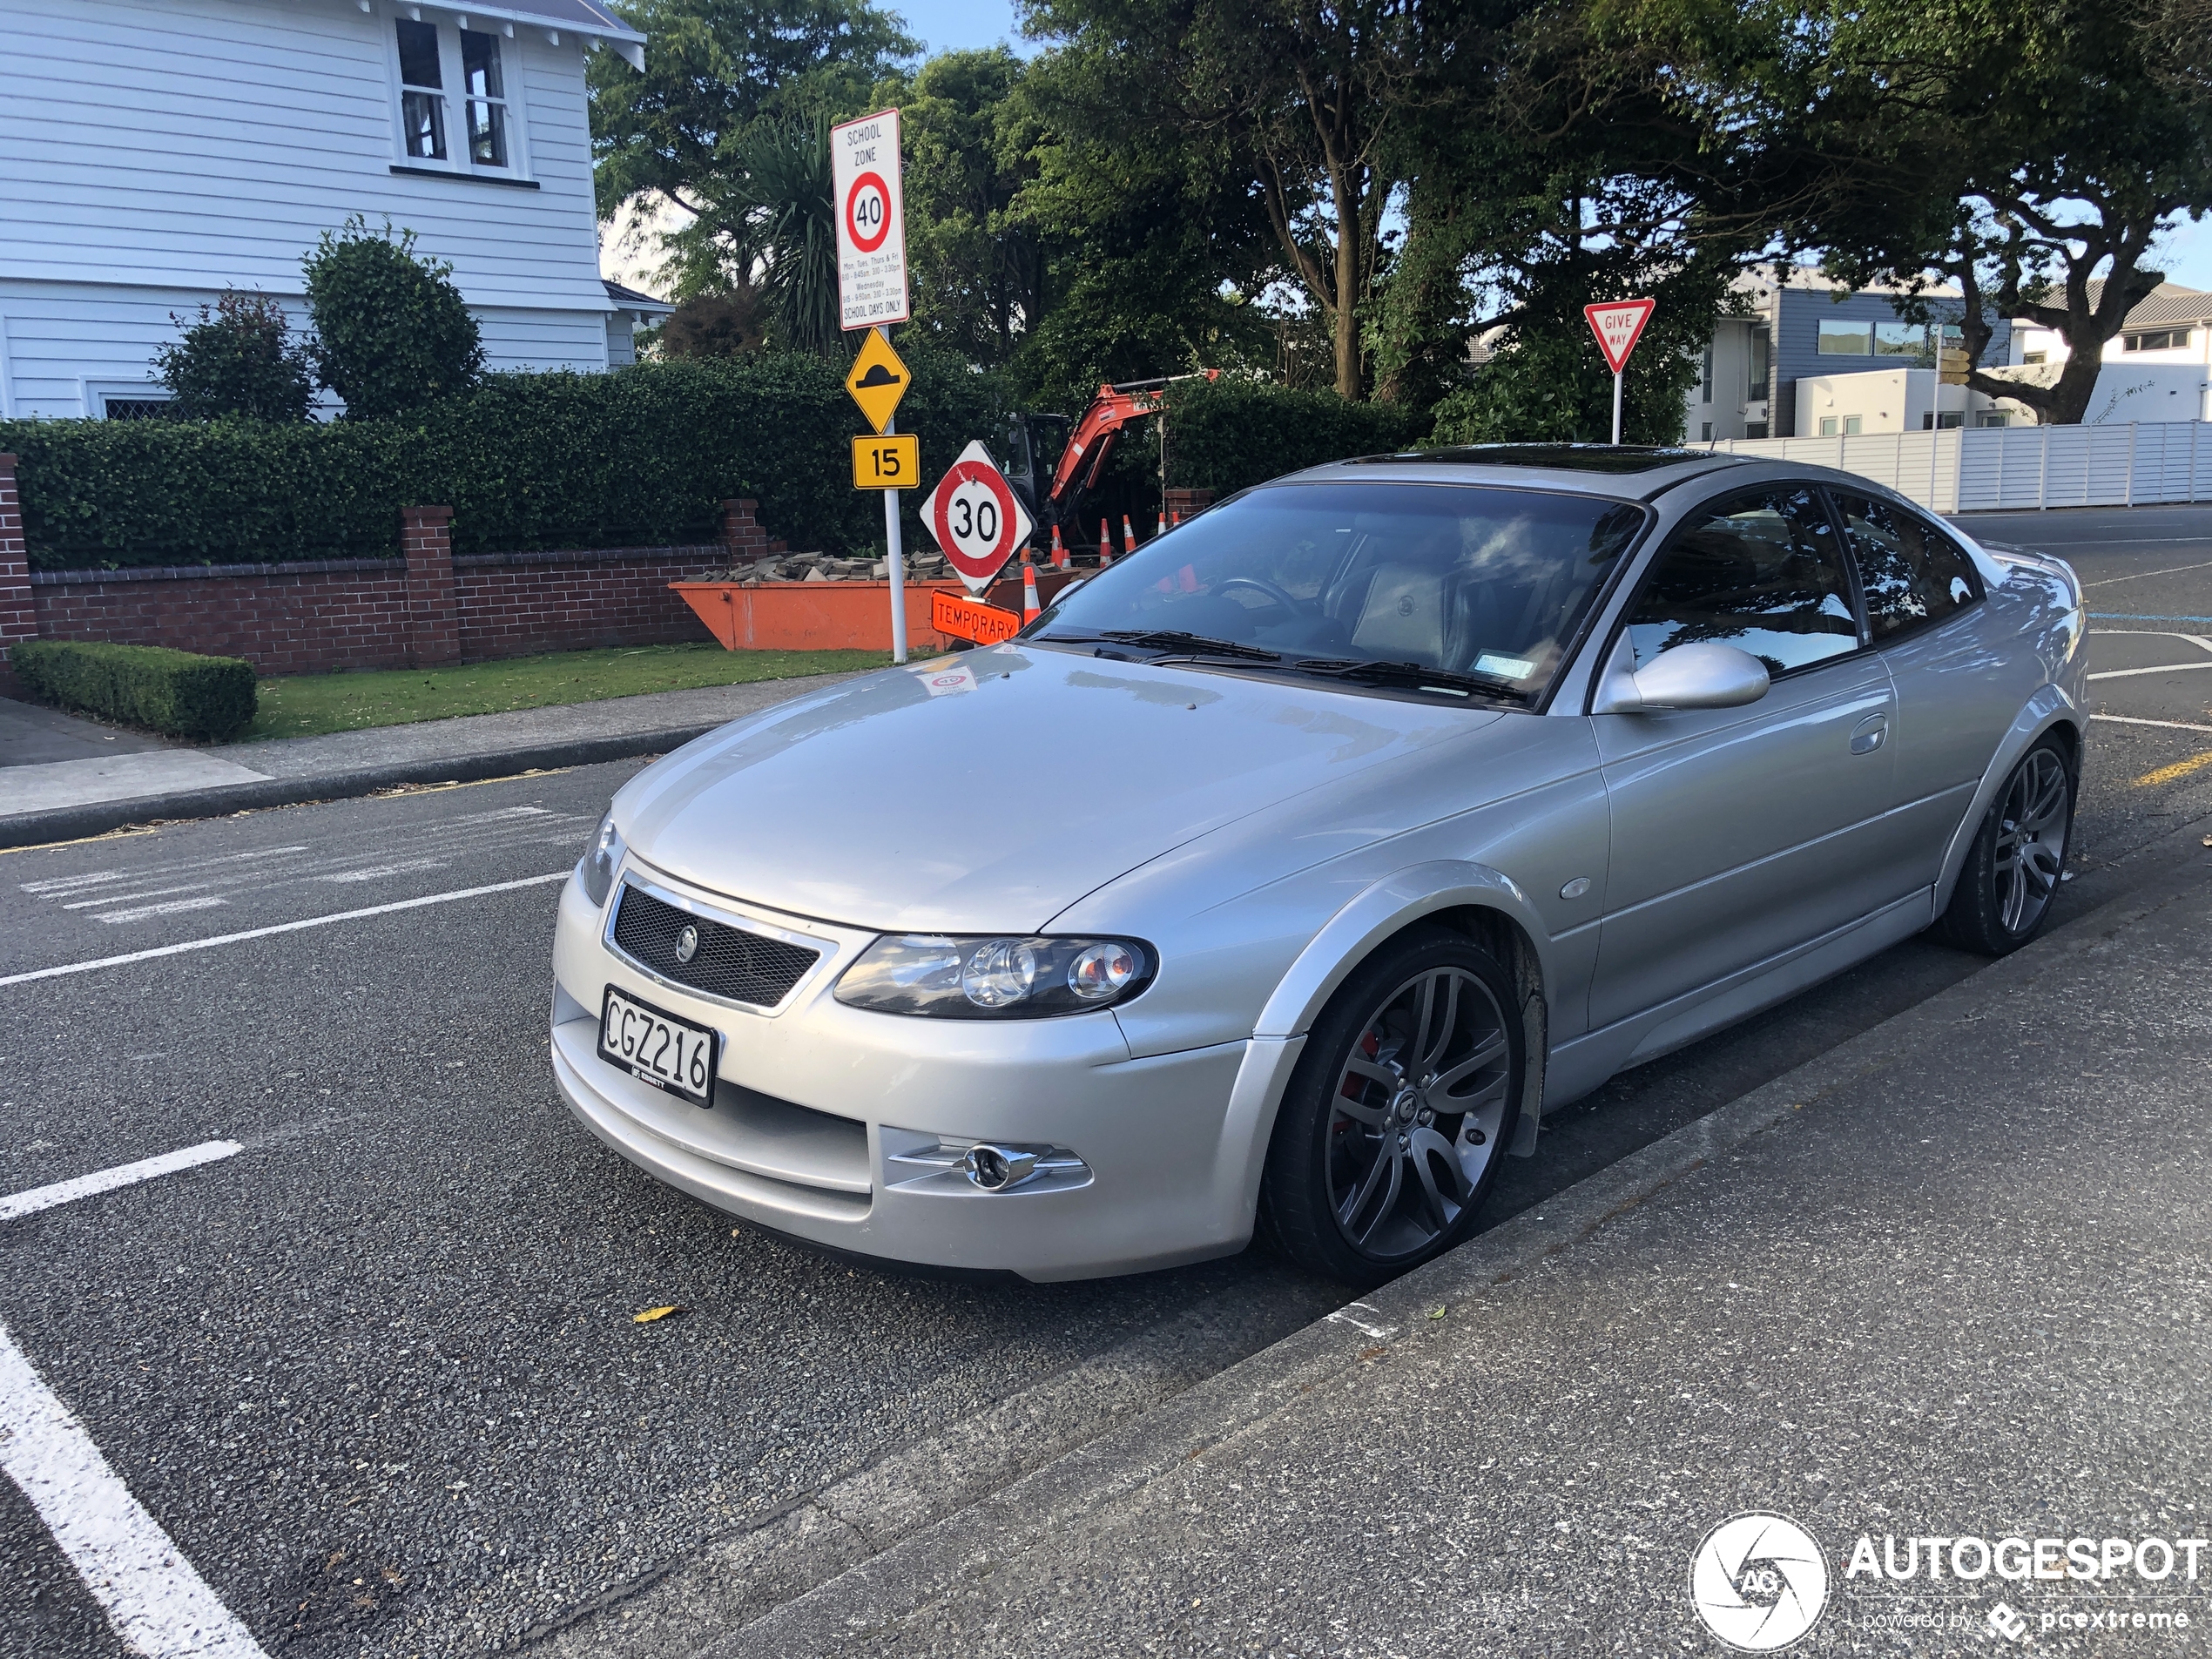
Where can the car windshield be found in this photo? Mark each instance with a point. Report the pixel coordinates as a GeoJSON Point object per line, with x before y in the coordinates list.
{"type": "Point", "coordinates": [1469, 581]}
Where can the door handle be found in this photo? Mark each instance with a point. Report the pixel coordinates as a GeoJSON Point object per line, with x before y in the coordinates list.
{"type": "Point", "coordinates": [1869, 734]}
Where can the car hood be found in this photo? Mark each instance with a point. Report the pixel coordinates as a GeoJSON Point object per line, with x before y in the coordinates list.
{"type": "Point", "coordinates": [988, 791]}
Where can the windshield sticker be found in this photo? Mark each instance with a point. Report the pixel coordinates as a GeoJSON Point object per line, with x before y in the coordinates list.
{"type": "Point", "coordinates": [1490, 662]}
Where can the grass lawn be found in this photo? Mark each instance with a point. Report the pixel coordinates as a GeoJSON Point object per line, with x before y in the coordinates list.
{"type": "Point", "coordinates": [310, 705]}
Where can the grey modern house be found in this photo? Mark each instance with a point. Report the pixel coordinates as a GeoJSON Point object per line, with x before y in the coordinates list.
{"type": "Point", "coordinates": [1799, 326]}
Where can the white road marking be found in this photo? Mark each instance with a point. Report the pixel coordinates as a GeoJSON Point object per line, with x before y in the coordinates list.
{"type": "Point", "coordinates": [2152, 633]}
{"type": "Point", "coordinates": [158, 1604]}
{"type": "Point", "coordinates": [2129, 674]}
{"type": "Point", "coordinates": [1343, 1315]}
{"type": "Point", "coordinates": [124, 1175]}
{"type": "Point", "coordinates": [2107, 582]}
{"type": "Point", "coordinates": [499, 812]}
{"type": "Point", "coordinates": [2171, 726]}
{"type": "Point", "coordinates": [377, 872]}
{"type": "Point", "coordinates": [279, 927]}
{"type": "Point", "coordinates": [70, 883]}
{"type": "Point", "coordinates": [172, 907]}
{"type": "Point", "coordinates": [125, 898]}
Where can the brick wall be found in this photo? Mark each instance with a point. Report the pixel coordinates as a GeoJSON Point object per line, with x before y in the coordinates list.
{"type": "Point", "coordinates": [427, 607]}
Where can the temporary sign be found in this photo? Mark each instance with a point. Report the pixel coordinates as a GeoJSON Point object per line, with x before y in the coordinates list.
{"type": "Point", "coordinates": [1618, 325]}
{"type": "Point", "coordinates": [870, 221]}
{"type": "Point", "coordinates": [886, 463]}
{"type": "Point", "coordinates": [975, 517]}
{"type": "Point", "coordinates": [877, 380]}
{"type": "Point", "coordinates": [971, 619]}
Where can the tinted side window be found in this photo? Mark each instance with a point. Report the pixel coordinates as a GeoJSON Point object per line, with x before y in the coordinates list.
{"type": "Point", "coordinates": [1761, 572]}
{"type": "Point", "coordinates": [1911, 574]}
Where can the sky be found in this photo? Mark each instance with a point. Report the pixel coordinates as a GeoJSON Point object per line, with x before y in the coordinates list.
{"type": "Point", "coordinates": [954, 25]}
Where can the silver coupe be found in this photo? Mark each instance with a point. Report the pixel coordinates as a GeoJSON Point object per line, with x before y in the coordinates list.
{"type": "Point", "coordinates": [1284, 874]}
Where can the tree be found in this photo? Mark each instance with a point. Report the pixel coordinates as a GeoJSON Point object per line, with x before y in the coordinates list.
{"type": "Point", "coordinates": [979, 266]}
{"type": "Point", "coordinates": [714, 325]}
{"type": "Point", "coordinates": [240, 358]}
{"type": "Point", "coordinates": [1298, 99]}
{"type": "Point", "coordinates": [392, 331]}
{"type": "Point", "coordinates": [2028, 151]}
{"type": "Point", "coordinates": [780, 211]}
{"type": "Point", "coordinates": [717, 70]}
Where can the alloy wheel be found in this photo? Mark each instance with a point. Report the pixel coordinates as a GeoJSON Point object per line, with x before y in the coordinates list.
{"type": "Point", "coordinates": [1416, 1112]}
{"type": "Point", "coordinates": [2030, 850]}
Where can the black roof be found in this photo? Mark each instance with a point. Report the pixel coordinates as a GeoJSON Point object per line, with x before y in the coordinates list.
{"type": "Point", "coordinates": [1553, 457]}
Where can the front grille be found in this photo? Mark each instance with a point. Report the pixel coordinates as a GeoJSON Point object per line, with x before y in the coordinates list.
{"type": "Point", "coordinates": [729, 963]}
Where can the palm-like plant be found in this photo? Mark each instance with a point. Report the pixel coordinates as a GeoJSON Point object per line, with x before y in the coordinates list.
{"type": "Point", "coordinates": [787, 206]}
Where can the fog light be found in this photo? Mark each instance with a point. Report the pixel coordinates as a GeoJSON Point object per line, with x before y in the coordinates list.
{"type": "Point", "coordinates": [996, 1168]}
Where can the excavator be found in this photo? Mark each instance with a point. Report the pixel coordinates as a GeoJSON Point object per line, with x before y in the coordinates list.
{"type": "Point", "coordinates": [1053, 494]}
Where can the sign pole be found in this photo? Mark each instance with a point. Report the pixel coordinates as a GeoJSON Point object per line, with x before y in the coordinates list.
{"type": "Point", "coordinates": [896, 558]}
{"type": "Point", "coordinates": [1616, 408]}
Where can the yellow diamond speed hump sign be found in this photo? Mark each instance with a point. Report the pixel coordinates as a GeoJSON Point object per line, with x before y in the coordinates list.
{"type": "Point", "coordinates": [877, 380]}
{"type": "Point", "coordinates": [976, 517]}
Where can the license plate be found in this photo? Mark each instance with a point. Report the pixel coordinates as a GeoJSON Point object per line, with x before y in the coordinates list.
{"type": "Point", "coordinates": [656, 1047]}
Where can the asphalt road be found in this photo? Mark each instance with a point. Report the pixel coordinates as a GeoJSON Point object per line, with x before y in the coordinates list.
{"type": "Point", "coordinates": [376, 1374]}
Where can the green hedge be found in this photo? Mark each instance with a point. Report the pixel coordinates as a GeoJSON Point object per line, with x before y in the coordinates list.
{"type": "Point", "coordinates": [638, 458]}
{"type": "Point", "coordinates": [641, 457]}
{"type": "Point", "coordinates": [175, 691]}
{"type": "Point", "coordinates": [1227, 433]}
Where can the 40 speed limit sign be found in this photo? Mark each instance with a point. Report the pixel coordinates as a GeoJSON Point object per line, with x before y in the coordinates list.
{"type": "Point", "coordinates": [976, 517]}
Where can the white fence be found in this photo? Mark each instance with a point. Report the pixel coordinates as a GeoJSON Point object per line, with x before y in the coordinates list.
{"type": "Point", "coordinates": [1979, 469]}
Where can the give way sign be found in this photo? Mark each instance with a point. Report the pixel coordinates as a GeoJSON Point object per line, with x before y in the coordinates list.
{"type": "Point", "coordinates": [1618, 325]}
{"type": "Point", "coordinates": [975, 517]}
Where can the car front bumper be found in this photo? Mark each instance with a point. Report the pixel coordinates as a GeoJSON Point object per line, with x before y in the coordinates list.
{"type": "Point", "coordinates": [845, 1127]}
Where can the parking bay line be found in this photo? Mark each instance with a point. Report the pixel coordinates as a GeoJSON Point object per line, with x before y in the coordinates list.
{"type": "Point", "coordinates": [156, 1601]}
{"type": "Point", "coordinates": [280, 928]}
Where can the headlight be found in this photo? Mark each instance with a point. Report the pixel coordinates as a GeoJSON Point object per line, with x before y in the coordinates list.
{"type": "Point", "coordinates": [994, 979]}
{"type": "Point", "coordinates": [598, 870]}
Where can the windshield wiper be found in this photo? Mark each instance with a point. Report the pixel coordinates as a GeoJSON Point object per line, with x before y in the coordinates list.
{"type": "Point", "coordinates": [1167, 639]}
{"type": "Point", "coordinates": [1414, 674]}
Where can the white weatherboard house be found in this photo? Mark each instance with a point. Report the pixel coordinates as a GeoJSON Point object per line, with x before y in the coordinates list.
{"type": "Point", "coordinates": [153, 152]}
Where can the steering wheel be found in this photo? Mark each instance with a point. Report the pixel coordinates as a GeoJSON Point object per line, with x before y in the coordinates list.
{"type": "Point", "coordinates": [1274, 595]}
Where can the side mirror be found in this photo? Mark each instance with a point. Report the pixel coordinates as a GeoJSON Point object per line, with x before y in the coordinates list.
{"type": "Point", "coordinates": [1702, 676]}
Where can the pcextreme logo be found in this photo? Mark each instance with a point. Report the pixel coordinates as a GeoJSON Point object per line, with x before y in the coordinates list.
{"type": "Point", "coordinates": [1758, 1581]}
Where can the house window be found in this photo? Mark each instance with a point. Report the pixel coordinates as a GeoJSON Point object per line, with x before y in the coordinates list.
{"type": "Point", "coordinates": [1951, 418]}
{"type": "Point", "coordinates": [1839, 338]}
{"type": "Point", "coordinates": [2035, 357]}
{"type": "Point", "coordinates": [423, 114]}
{"type": "Point", "coordinates": [1850, 426]}
{"type": "Point", "coordinates": [1755, 428]}
{"type": "Point", "coordinates": [1827, 426]}
{"type": "Point", "coordinates": [487, 98]}
{"type": "Point", "coordinates": [1900, 339]}
{"type": "Point", "coordinates": [2165, 339]}
{"type": "Point", "coordinates": [1761, 350]}
{"type": "Point", "coordinates": [1997, 419]}
{"type": "Point", "coordinates": [456, 114]}
{"type": "Point", "coordinates": [1705, 381]}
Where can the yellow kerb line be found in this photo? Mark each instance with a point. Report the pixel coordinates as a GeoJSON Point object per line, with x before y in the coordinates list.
{"type": "Point", "coordinates": [2179, 769]}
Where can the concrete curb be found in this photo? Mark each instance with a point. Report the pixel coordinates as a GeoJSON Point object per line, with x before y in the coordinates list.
{"type": "Point", "coordinates": [75, 823]}
{"type": "Point", "coordinates": [856, 1590]}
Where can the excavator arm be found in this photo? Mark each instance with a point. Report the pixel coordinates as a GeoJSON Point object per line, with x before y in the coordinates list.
{"type": "Point", "coordinates": [1091, 444]}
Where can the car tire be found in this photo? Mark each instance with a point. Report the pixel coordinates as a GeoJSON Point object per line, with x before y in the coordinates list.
{"type": "Point", "coordinates": [2006, 890]}
{"type": "Point", "coordinates": [1401, 1105]}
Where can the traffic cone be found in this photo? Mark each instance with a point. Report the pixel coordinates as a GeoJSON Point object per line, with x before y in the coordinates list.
{"type": "Point", "coordinates": [1105, 546]}
{"type": "Point", "coordinates": [1162, 529]}
{"type": "Point", "coordinates": [1030, 609]}
{"type": "Point", "coordinates": [1173, 519]}
{"type": "Point", "coordinates": [1129, 536]}
{"type": "Point", "coordinates": [1059, 553]}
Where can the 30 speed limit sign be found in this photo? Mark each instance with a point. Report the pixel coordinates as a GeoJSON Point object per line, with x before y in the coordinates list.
{"type": "Point", "coordinates": [976, 517]}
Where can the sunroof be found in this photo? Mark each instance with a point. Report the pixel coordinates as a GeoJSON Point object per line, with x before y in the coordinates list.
{"type": "Point", "coordinates": [1555, 457]}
